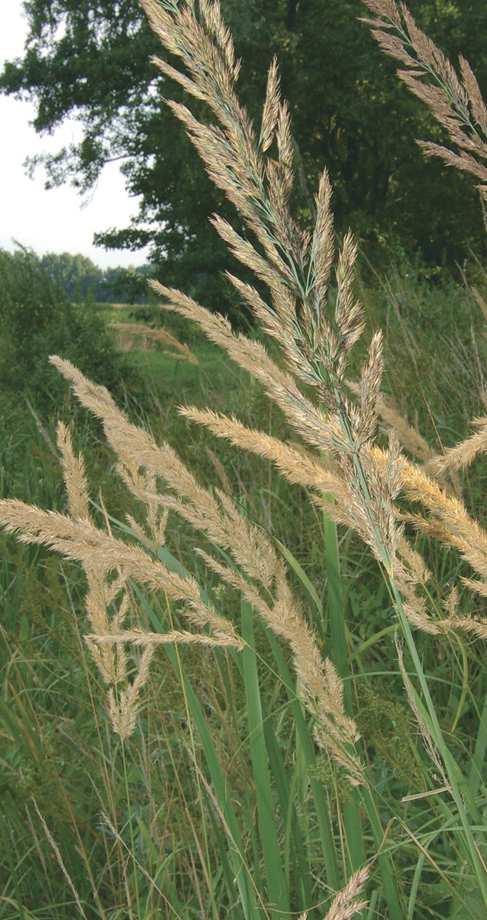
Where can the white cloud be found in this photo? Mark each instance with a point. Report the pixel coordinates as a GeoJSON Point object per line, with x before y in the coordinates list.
{"type": "Point", "coordinates": [57, 220]}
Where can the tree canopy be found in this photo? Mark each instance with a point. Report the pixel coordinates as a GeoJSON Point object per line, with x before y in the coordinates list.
{"type": "Point", "coordinates": [91, 59]}
{"type": "Point", "coordinates": [80, 279]}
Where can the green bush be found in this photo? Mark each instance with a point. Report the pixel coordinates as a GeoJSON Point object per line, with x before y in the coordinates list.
{"type": "Point", "coordinates": [36, 321]}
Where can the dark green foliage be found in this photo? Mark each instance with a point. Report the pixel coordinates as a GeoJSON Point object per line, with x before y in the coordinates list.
{"type": "Point", "coordinates": [80, 279]}
{"type": "Point", "coordinates": [349, 110]}
{"type": "Point", "coordinates": [37, 320]}
{"type": "Point", "coordinates": [76, 275]}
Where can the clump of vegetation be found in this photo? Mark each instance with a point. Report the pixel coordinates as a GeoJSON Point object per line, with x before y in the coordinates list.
{"type": "Point", "coordinates": [38, 320]}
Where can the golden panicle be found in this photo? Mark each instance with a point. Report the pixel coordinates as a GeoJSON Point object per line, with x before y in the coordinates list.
{"type": "Point", "coordinates": [230, 530]}
{"type": "Point", "coordinates": [296, 271]}
{"type": "Point", "coordinates": [248, 255]}
{"type": "Point", "coordinates": [124, 704]}
{"type": "Point", "coordinates": [318, 428]}
{"type": "Point", "coordinates": [142, 484]}
{"type": "Point", "coordinates": [270, 112]}
{"type": "Point", "coordinates": [82, 541]}
{"type": "Point", "coordinates": [463, 454]}
{"type": "Point", "coordinates": [230, 151]}
{"type": "Point", "coordinates": [372, 509]}
{"type": "Point", "coordinates": [93, 396]}
{"type": "Point", "coordinates": [156, 335]}
{"type": "Point", "coordinates": [318, 681]}
{"type": "Point", "coordinates": [111, 663]}
{"type": "Point", "coordinates": [346, 903]}
{"type": "Point", "coordinates": [220, 471]}
{"type": "Point", "coordinates": [267, 317]}
{"type": "Point", "coordinates": [414, 561]}
{"type": "Point", "coordinates": [218, 518]}
{"type": "Point", "coordinates": [475, 627]}
{"type": "Point", "coordinates": [370, 382]}
{"type": "Point", "coordinates": [314, 352]}
{"type": "Point", "coordinates": [135, 447]}
{"type": "Point", "coordinates": [323, 241]}
{"type": "Point", "coordinates": [479, 109]}
{"type": "Point", "coordinates": [285, 145]}
{"type": "Point", "coordinates": [482, 302]}
{"type": "Point", "coordinates": [212, 15]}
{"type": "Point", "coordinates": [140, 532]}
{"type": "Point", "coordinates": [450, 522]}
{"type": "Point", "coordinates": [285, 229]}
{"type": "Point", "coordinates": [74, 475]}
{"type": "Point", "coordinates": [189, 85]}
{"type": "Point", "coordinates": [414, 605]}
{"type": "Point", "coordinates": [296, 464]}
{"type": "Point", "coordinates": [410, 576]}
{"type": "Point", "coordinates": [409, 437]}
{"type": "Point", "coordinates": [478, 587]}
{"type": "Point", "coordinates": [462, 161]}
{"type": "Point", "coordinates": [141, 639]}
{"type": "Point", "coordinates": [458, 106]}
{"type": "Point", "coordinates": [348, 312]}
{"type": "Point", "coordinates": [227, 527]}
{"type": "Point", "coordinates": [386, 11]}
{"type": "Point", "coordinates": [234, 161]}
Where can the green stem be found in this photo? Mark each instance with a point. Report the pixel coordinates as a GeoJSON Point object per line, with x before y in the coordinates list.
{"type": "Point", "coordinates": [131, 826]}
{"type": "Point", "coordinates": [455, 777]}
{"type": "Point", "coordinates": [391, 894]}
{"type": "Point", "coordinates": [362, 796]}
{"type": "Point", "coordinates": [339, 654]}
{"type": "Point", "coordinates": [475, 776]}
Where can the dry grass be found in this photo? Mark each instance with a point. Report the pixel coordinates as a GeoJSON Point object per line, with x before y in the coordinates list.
{"type": "Point", "coordinates": [143, 336]}
{"type": "Point", "coordinates": [346, 904]}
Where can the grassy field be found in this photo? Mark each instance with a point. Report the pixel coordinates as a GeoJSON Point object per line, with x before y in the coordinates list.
{"type": "Point", "coordinates": [111, 830]}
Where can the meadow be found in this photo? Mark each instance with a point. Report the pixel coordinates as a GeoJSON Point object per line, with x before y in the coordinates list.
{"type": "Point", "coordinates": [262, 694]}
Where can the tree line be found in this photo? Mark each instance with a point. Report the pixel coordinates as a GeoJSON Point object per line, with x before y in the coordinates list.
{"type": "Point", "coordinates": [349, 111]}
{"type": "Point", "coordinates": [80, 279]}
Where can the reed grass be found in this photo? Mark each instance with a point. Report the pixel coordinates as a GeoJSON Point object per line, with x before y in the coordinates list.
{"type": "Point", "coordinates": [319, 827]}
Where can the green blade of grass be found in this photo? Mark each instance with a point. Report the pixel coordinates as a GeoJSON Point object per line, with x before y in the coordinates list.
{"type": "Point", "coordinates": [340, 658]}
{"type": "Point", "coordinates": [475, 777]}
{"type": "Point", "coordinates": [268, 832]}
{"type": "Point", "coordinates": [301, 574]}
{"type": "Point", "coordinates": [362, 796]}
{"type": "Point", "coordinates": [222, 794]}
{"type": "Point", "coordinates": [305, 754]}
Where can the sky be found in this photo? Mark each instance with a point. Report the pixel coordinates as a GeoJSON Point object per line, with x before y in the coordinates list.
{"type": "Point", "coordinates": [58, 220]}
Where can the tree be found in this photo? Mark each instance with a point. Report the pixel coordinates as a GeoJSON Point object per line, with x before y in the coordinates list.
{"type": "Point", "coordinates": [125, 285]}
{"type": "Point", "coordinates": [38, 320]}
{"type": "Point", "coordinates": [76, 274]}
{"type": "Point", "coordinates": [80, 279]}
{"type": "Point", "coordinates": [91, 59]}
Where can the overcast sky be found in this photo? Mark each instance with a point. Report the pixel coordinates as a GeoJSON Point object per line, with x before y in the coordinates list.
{"type": "Point", "coordinates": [57, 220]}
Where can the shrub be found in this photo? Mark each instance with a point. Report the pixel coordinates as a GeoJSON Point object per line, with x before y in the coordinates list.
{"type": "Point", "coordinates": [37, 320]}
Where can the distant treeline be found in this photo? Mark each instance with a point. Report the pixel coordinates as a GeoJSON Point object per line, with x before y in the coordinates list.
{"type": "Point", "coordinates": [80, 279]}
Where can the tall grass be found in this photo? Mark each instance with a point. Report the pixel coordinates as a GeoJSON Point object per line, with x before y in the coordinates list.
{"type": "Point", "coordinates": [317, 772]}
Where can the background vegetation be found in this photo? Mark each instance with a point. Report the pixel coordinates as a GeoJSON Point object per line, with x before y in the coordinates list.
{"type": "Point", "coordinates": [91, 60]}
